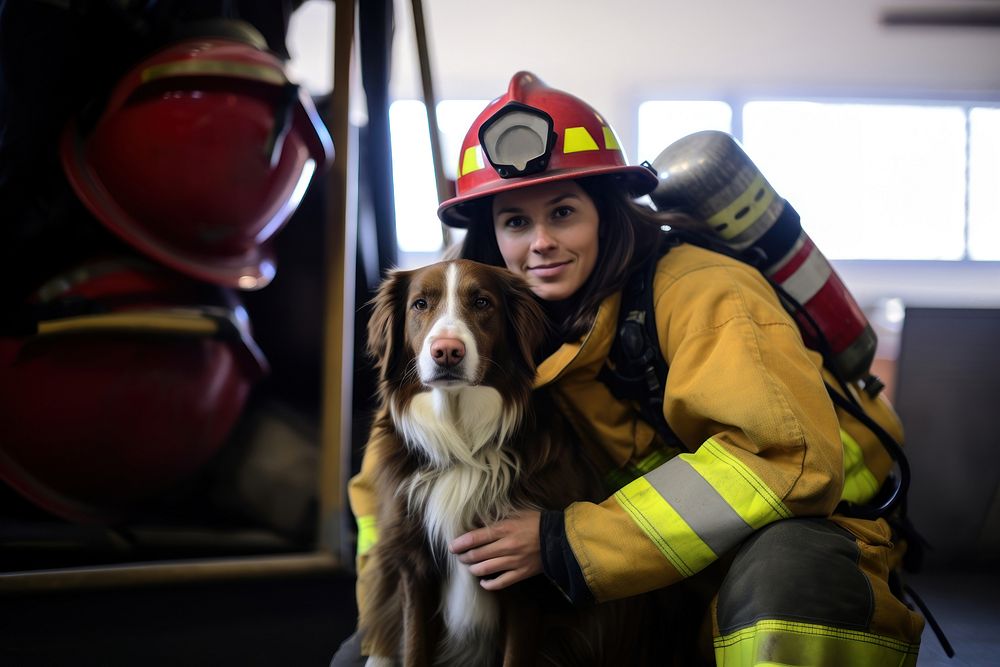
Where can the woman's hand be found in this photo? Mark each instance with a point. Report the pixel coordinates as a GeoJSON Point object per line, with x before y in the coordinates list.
{"type": "Point", "coordinates": [510, 548]}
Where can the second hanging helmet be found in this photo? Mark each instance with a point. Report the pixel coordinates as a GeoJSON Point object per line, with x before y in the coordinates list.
{"type": "Point", "coordinates": [200, 155]}
{"type": "Point", "coordinates": [535, 134]}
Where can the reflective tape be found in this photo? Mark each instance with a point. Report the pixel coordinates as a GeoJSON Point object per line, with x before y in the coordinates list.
{"type": "Point", "coordinates": [808, 277]}
{"type": "Point", "coordinates": [675, 539]}
{"type": "Point", "coordinates": [472, 160]}
{"type": "Point", "coordinates": [743, 211]}
{"type": "Point", "coordinates": [697, 506]}
{"type": "Point", "coordinates": [263, 73]}
{"type": "Point", "coordinates": [701, 506]}
{"type": "Point", "coordinates": [610, 140]}
{"type": "Point", "coordinates": [779, 642]}
{"type": "Point", "coordinates": [740, 486]}
{"type": "Point", "coordinates": [180, 322]}
{"type": "Point", "coordinates": [367, 533]}
{"type": "Point", "coordinates": [577, 140]}
{"type": "Point", "coordinates": [860, 484]}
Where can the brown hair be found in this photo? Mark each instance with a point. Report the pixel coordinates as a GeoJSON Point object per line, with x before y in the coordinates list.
{"type": "Point", "coordinates": [629, 233]}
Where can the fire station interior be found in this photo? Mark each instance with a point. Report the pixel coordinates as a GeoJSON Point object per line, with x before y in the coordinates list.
{"type": "Point", "coordinates": [173, 489]}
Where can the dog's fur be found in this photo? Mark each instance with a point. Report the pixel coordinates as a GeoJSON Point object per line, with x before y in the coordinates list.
{"type": "Point", "coordinates": [468, 446]}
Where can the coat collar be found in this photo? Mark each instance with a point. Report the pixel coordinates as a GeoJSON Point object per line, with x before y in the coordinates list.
{"type": "Point", "coordinates": [591, 349]}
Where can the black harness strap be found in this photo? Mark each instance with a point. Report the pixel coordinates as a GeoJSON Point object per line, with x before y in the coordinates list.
{"type": "Point", "coordinates": [636, 369]}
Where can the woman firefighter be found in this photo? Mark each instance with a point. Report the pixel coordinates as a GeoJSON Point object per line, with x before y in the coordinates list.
{"type": "Point", "coordinates": [739, 510]}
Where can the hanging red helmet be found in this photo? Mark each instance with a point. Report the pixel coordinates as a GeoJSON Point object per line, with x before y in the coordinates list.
{"type": "Point", "coordinates": [133, 379]}
{"type": "Point", "coordinates": [201, 154]}
{"type": "Point", "coordinates": [534, 134]}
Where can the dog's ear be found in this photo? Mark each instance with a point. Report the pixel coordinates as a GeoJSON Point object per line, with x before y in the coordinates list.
{"type": "Point", "coordinates": [385, 328]}
{"type": "Point", "coordinates": [527, 323]}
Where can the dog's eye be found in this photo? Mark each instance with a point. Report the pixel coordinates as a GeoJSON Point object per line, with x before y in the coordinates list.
{"type": "Point", "coordinates": [481, 302]}
{"type": "Point", "coordinates": [419, 304]}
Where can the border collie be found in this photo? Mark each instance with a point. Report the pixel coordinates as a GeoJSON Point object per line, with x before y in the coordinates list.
{"type": "Point", "coordinates": [470, 443]}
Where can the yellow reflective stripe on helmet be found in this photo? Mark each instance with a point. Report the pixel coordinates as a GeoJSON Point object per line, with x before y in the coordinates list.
{"type": "Point", "coordinates": [472, 160]}
{"type": "Point", "coordinates": [174, 322]}
{"type": "Point", "coordinates": [740, 486]}
{"type": "Point", "coordinates": [774, 642]}
{"type": "Point", "coordinates": [860, 484]}
{"type": "Point", "coordinates": [577, 139]}
{"type": "Point", "coordinates": [665, 528]}
{"type": "Point", "coordinates": [367, 533]}
{"type": "Point", "coordinates": [610, 140]}
{"type": "Point", "coordinates": [261, 73]}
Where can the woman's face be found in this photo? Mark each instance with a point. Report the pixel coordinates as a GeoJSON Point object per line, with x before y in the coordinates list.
{"type": "Point", "coordinates": [547, 234]}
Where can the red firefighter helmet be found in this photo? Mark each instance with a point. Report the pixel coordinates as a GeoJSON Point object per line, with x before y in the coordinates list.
{"type": "Point", "coordinates": [534, 134]}
{"type": "Point", "coordinates": [133, 379]}
{"type": "Point", "coordinates": [201, 154]}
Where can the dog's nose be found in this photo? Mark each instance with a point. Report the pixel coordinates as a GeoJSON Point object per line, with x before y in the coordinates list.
{"type": "Point", "coordinates": [447, 351]}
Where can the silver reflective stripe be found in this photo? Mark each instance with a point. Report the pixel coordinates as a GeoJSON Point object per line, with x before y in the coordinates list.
{"type": "Point", "coordinates": [809, 278]}
{"type": "Point", "coordinates": [700, 505]}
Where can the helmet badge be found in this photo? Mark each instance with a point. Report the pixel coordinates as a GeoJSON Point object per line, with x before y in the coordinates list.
{"type": "Point", "coordinates": [518, 140]}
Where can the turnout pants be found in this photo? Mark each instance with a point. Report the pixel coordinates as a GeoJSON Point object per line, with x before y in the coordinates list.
{"type": "Point", "coordinates": [813, 592]}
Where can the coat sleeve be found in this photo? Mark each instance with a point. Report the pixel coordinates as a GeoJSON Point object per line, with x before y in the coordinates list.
{"type": "Point", "coordinates": [747, 399]}
{"type": "Point", "coordinates": [361, 493]}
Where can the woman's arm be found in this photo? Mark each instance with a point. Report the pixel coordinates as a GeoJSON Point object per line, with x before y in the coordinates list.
{"type": "Point", "coordinates": [748, 400]}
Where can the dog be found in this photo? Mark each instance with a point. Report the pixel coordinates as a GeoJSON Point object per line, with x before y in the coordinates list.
{"type": "Point", "coordinates": [453, 346]}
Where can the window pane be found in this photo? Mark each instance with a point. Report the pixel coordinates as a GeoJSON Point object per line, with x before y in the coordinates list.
{"type": "Point", "coordinates": [870, 181]}
{"type": "Point", "coordinates": [661, 123]}
{"type": "Point", "coordinates": [984, 184]}
{"type": "Point", "coordinates": [417, 226]}
{"type": "Point", "coordinates": [455, 117]}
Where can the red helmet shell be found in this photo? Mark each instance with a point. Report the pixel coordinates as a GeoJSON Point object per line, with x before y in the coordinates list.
{"type": "Point", "coordinates": [180, 163]}
{"type": "Point", "coordinates": [97, 420]}
{"type": "Point", "coordinates": [586, 145]}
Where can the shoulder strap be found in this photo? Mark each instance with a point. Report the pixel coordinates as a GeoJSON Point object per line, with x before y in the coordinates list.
{"type": "Point", "coordinates": [636, 369]}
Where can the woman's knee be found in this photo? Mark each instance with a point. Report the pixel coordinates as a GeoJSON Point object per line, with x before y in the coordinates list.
{"type": "Point", "coordinates": [803, 570]}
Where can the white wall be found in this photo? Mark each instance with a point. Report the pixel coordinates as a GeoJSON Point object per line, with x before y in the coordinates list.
{"type": "Point", "coordinates": [617, 54]}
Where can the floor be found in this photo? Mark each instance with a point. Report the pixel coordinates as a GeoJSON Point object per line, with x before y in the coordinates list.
{"type": "Point", "coordinates": [301, 622]}
{"type": "Point", "coordinates": [265, 623]}
{"type": "Point", "coordinates": [966, 605]}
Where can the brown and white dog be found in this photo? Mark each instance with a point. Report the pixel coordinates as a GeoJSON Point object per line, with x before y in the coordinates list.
{"type": "Point", "coordinates": [453, 346]}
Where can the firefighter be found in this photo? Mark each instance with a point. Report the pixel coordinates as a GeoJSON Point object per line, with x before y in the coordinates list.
{"type": "Point", "coordinates": [738, 511]}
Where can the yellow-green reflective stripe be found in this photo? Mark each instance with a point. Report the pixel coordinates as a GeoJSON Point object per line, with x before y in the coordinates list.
{"type": "Point", "coordinates": [472, 160]}
{"type": "Point", "coordinates": [665, 528]}
{"type": "Point", "coordinates": [190, 323]}
{"type": "Point", "coordinates": [262, 73]}
{"type": "Point", "coordinates": [775, 642]}
{"type": "Point", "coordinates": [577, 139]}
{"type": "Point", "coordinates": [741, 488]}
{"type": "Point", "coordinates": [654, 460]}
{"type": "Point", "coordinates": [619, 477]}
{"type": "Point", "coordinates": [610, 140]}
{"type": "Point", "coordinates": [367, 533]}
{"type": "Point", "coordinates": [702, 508]}
{"type": "Point", "coordinates": [747, 200]}
{"type": "Point", "coordinates": [860, 484]}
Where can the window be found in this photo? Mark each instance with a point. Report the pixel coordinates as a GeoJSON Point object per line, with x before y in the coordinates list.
{"type": "Point", "coordinates": [417, 227]}
{"type": "Point", "coordinates": [984, 184]}
{"type": "Point", "coordinates": [663, 122]}
{"type": "Point", "coordinates": [869, 181]}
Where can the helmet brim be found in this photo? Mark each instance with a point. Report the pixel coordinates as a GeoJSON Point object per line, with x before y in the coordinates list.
{"type": "Point", "coordinates": [638, 181]}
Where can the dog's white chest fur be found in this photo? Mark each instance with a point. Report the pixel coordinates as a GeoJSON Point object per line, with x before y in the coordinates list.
{"type": "Point", "coordinates": [467, 482]}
